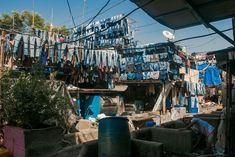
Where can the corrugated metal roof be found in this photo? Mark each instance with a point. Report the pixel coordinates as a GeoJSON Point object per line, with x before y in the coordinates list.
{"type": "Point", "coordinates": [177, 14]}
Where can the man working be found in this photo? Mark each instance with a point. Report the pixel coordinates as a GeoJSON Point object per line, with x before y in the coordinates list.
{"type": "Point", "coordinates": [204, 128]}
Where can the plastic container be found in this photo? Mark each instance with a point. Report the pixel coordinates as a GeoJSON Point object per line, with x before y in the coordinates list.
{"type": "Point", "coordinates": [114, 137]}
{"type": "Point", "coordinates": [150, 124]}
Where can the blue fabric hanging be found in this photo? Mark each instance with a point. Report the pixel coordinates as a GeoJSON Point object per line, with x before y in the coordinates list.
{"type": "Point", "coordinates": [43, 56]}
{"type": "Point", "coordinates": [212, 76]}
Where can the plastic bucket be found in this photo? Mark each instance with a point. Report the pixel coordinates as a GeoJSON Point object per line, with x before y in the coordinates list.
{"type": "Point", "coordinates": [114, 137]}
{"type": "Point", "coordinates": [150, 124]}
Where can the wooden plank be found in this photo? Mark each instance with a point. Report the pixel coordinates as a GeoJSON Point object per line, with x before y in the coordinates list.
{"type": "Point", "coordinates": [117, 89]}
{"type": "Point", "coordinates": [139, 81]}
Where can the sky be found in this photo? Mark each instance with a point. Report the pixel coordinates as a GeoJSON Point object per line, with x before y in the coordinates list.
{"type": "Point", "coordinates": [146, 29]}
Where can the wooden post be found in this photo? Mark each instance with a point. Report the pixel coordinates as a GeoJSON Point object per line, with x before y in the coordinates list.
{"type": "Point", "coordinates": [3, 39]}
{"type": "Point", "coordinates": [12, 43]}
{"type": "Point", "coordinates": [164, 99]}
{"type": "Point", "coordinates": [2, 43]}
{"type": "Point", "coordinates": [174, 98]}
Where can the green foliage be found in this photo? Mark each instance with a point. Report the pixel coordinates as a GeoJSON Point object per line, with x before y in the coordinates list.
{"type": "Point", "coordinates": [26, 18]}
{"type": "Point", "coordinates": [63, 30]}
{"type": "Point", "coordinates": [18, 21]}
{"type": "Point", "coordinates": [29, 102]}
{"type": "Point", "coordinates": [39, 22]}
{"type": "Point", "coordinates": [57, 29]}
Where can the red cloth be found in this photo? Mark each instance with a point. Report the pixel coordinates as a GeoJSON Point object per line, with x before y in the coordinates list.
{"type": "Point", "coordinates": [61, 39]}
{"type": "Point", "coordinates": [189, 64]}
{"type": "Point", "coordinates": [181, 54]}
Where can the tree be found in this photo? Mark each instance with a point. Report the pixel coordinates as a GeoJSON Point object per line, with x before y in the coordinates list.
{"type": "Point", "coordinates": [5, 21]}
{"type": "Point", "coordinates": [25, 19]}
{"type": "Point", "coordinates": [62, 30]}
{"type": "Point", "coordinates": [57, 29]}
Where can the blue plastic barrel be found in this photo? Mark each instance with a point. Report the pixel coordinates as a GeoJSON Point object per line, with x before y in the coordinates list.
{"type": "Point", "coordinates": [114, 137]}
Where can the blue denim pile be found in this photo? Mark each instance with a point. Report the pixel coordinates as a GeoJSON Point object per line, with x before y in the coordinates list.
{"type": "Point", "coordinates": [156, 62]}
{"type": "Point", "coordinates": [110, 32]}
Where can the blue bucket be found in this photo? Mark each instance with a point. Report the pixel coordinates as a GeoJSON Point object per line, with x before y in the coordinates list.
{"type": "Point", "coordinates": [114, 137]}
{"type": "Point", "coordinates": [150, 124]}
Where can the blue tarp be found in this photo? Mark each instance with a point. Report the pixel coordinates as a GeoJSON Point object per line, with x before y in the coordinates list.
{"type": "Point", "coordinates": [212, 76]}
{"type": "Point", "coordinates": [90, 105]}
{"type": "Point", "coordinates": [202, 66]}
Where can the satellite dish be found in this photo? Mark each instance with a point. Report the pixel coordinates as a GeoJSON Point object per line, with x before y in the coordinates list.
{"type": "Point", "coordinates": [168, 35]}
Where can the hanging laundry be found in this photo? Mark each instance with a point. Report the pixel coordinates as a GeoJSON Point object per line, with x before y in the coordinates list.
{"type": "Point", "coordinates": [74, 60]}
{"type": "Point", "coordinates": [212, 76]}
{"type": "Point", "coordinates": [65, 53]}
{"type": "Point", "coordinates": [43, 56]}
{"type": "Point", "coordinates": [20, 49]}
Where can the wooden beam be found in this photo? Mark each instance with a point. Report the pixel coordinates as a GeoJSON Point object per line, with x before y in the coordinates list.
{"type": "Point", "coordinates": [162, 96]}
{"type": "Point", "coordinates": [174, 96]}
{"type": "Point", "coordinates": [164, 100]}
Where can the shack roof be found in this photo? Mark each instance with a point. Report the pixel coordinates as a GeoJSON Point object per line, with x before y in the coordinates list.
{"type": "Point", "coordinates": [178, 14]}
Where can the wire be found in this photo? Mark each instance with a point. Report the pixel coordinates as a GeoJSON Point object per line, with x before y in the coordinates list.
{"type": "Point", "coordinates": [88, 12]}
{"type": "Point", "coordinates": [150, 24]}
{"type": "Point", "coordinates": [98, 12]}
{"type": "Point", "coordinates": [146, 32]}
{"type": "Point", "coordinates": [114, 22]}
{"type": "Point", "coordinates": [207, 42]}
{"type": "Point", "coordinates": [70, 11]}
{"type": "Point", "coordinates": [201, 36]}
{"type": "Point", "coordinates": [115, 5]}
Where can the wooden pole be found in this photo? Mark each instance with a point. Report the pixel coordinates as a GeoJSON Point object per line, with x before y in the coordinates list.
{"type": "Point", "coordinates": [12, 43]}
{"type": "Point", "coordinates": [2, 43]}
{"type": "Point", "coordinates": [3, 40]}
{"type": "Point", "coordinates": [164, 99]}
{"type": "Point", "coordinates": [33, 15]}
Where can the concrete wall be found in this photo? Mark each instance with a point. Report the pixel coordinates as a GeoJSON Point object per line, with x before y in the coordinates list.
{"type": "Point", "coordinates": [139, 148]}
{"type": "Point", "coordinates": [173, 140]}
{"type": "Point", "coordinates": [33, 142]}
{"type": "Point", "coordinates": [142, 148]}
